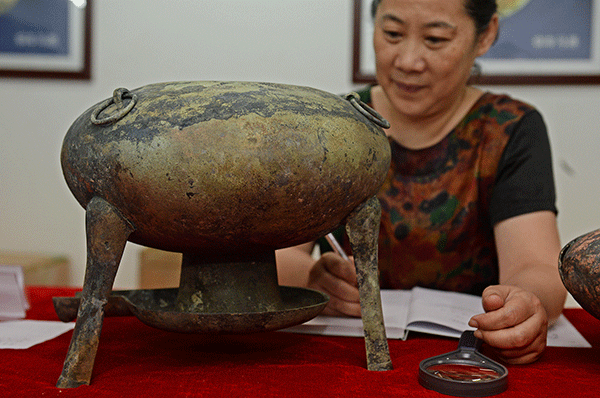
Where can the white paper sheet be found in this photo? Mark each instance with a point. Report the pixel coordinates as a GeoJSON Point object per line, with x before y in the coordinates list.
{"type": "Point", "coordinates": [563, 334]}
{"type": "Point", "coordinates": [23, 334]}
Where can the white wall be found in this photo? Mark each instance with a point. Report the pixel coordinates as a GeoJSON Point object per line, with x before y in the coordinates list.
{"type": "Point", "coordinates": [305, 42]}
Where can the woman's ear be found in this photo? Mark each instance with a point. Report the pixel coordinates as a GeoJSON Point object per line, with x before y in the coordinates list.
{"type": "Point", "coordinates": [488, 36]}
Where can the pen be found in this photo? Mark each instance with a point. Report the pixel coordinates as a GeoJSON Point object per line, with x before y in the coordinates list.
{"type": "Point", "coordinates": [336, 246]}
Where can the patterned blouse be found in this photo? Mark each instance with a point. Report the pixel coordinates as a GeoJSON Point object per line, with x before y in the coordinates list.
{"type": "Point", "coordinates": [439, 204]}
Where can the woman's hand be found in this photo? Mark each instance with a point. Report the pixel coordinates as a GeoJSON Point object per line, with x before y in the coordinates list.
{"type": "Point", "coordinates": [336, 277]}
{"type": "Point", "coordinates": [515, 323]}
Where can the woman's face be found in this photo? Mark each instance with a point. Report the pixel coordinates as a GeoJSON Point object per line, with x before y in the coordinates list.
{"type": "Point", "coordinates": [425, 50]}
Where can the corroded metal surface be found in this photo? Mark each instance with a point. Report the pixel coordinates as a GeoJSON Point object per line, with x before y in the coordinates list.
{"type": "Point", "coordinates": [216, 167]}
{"type": "Point", "coordinates": [363, 230]}
{"type": "Point", "coordinates": [231, 285]}
{"type": "Point", "coordinates": [156, 308]}
{"type": "Point", "coordinates": [107, 233]}
{"type": "Point", "coordinates": [225, 173]}
{"type": "Point", "coordinates": [579, 267]}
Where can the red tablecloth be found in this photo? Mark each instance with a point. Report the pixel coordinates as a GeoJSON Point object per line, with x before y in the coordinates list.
{"type": "Point", "coordinates": [135, 360]}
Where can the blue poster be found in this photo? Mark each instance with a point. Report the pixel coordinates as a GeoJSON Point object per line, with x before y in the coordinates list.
{"type": "Point", "coordinates": [35, 27]}
{"type": "Point", "coordinates": [544, 30]}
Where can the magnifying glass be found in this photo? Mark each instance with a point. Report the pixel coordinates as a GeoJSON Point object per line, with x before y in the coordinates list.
{"type": "Point", "coordinates": [464, 372]}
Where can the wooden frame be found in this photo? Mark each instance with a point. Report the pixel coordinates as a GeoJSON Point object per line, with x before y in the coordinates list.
{"type": "Point", "coordinates": [500, 71]}
{"type": "Point", "coordinates": [61, 54]}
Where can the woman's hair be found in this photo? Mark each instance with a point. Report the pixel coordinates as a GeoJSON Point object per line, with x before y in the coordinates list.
{"type": "Point", "coordinates": [480, 10]}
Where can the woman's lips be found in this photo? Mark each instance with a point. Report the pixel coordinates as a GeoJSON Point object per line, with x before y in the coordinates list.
{"type": "Point", "coordinates": [409, 88]}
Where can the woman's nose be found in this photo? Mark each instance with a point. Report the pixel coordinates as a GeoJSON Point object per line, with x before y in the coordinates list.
{"type": "Point", "coordinates": [410, 58]}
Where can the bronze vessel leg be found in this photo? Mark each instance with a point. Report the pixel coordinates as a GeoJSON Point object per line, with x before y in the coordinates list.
{"type": "Point", "coordinates": [107, 232]}
{"type": "Point", "coordinates": [362, 227]}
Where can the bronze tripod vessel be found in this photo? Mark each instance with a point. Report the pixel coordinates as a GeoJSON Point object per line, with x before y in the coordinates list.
{"type": "Point", "coordinates": [225, 173]}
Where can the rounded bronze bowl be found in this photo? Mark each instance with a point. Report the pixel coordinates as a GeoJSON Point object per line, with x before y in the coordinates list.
{"type": "Point", "coordinates": [579, 267]}
{"type": "Point", "coordinates": [226, 167]}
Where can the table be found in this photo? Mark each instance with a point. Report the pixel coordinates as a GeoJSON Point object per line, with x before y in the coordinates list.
{"type": "Point", "coordinates": [135, 360]}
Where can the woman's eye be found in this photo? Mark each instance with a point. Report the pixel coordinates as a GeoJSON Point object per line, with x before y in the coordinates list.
{"type": "Point", "coordinates": [436, 40]}
{"type": "Point", "coordinates": [392, 34]}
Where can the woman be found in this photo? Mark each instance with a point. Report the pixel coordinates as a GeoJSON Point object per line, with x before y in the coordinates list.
{"type": "Point", "coordinates": [468, 203]}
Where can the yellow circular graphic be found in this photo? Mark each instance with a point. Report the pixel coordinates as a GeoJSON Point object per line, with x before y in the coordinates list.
{"type": "Point", "coordinates": [7, 5]}
{"type": "Point", "coordinates": [506, 8]}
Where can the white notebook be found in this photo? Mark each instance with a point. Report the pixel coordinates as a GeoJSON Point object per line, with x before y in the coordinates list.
{"type": "Point", "coordinates": [429, 311]}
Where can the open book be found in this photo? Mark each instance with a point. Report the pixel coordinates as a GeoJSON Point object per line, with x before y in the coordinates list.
{"type": "Point", "coordinates": [428, 311]}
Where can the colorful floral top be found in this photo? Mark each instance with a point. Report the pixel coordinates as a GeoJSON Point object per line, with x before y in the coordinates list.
{"type": "Point", "coordinates": [440, 203]}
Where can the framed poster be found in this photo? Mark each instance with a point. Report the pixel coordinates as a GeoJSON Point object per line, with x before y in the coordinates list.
{"type": "Point", "coordinates": [540, 42]}
{"type": "Point", "coordinates": [45, 38]}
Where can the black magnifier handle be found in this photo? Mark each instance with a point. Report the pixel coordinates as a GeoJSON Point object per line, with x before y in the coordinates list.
{"type": "Point", "coordinates": [469, 341]}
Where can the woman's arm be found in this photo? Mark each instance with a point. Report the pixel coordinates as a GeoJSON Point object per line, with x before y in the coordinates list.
{"type": "Point", "coordinates": [528, 248]}
{"type": "Point", "coordinates": [294, 264]}
{"type": "Point", "coordinates": [330, 274]}
{"type": "Point", "coordinates": [530, 294]}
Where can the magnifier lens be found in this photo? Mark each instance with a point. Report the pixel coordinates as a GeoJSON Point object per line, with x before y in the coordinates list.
{"type": "Point", "coordinates": [462, 372]}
